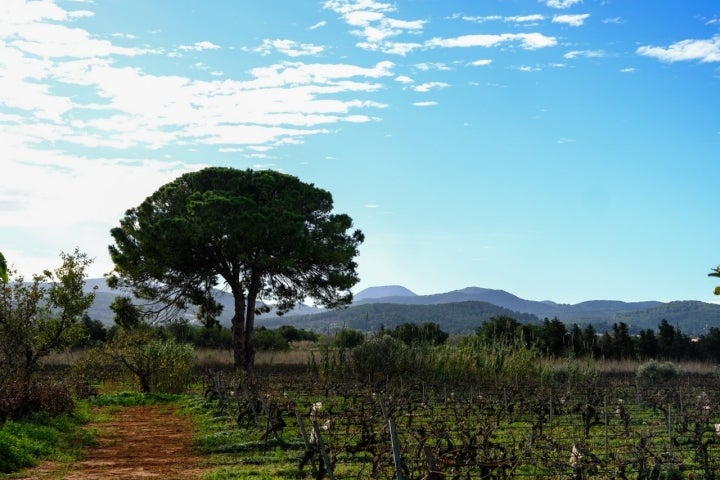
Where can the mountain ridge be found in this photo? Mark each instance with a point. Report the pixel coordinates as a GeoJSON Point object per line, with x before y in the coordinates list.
{"type": "Point", "coordinates": [454, 308]}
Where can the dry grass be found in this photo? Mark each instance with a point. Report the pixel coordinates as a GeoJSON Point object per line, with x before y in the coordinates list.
{"type": "Point", "coordinates": [299, 354]}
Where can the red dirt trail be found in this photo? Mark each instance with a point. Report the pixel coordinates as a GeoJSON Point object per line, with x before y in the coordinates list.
{"type": "Point", "coordinates": [148, 442]}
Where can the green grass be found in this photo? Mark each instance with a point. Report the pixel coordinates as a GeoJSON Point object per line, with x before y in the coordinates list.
{"type": "Point", "coordinates": [239, 453]}
{"type": "Point", "coordinates": [24, 442]}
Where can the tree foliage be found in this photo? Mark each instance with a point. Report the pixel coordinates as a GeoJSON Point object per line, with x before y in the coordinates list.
{"type": "Point", "coordinates": [266, 235]}
{"type": "Point", "coordinates": [715, 273]}
{"type": "Point", "coordinates": [3, 269]}
{"type": "Point", "coordinates": [44, 315]}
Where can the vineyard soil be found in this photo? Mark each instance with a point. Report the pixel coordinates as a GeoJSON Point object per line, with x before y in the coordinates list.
{"type": "Point", "coordinates": [135, 442]}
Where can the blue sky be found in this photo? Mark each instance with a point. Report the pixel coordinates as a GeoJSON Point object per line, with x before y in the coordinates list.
{"type": "Point", "coordinates": [556, 149]}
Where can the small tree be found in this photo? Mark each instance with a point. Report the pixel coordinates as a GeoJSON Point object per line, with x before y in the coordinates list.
{"type": "Point", "coordinates": [3, 269]}
{"type": "Point", "coordinates": [715, 273]}
{"type": "Point", "coordinates": [266, 235]}
{"type": "Point", "coordinates": [43, 316]}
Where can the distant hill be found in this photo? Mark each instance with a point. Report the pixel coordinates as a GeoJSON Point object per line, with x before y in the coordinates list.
{"type": "Point", "coordinates": [692, 317]}
{"type": "Point", "coordinates": [454, 318]}
{"type": "Point", "coordinates": [585, 312]}
{"type": "Point", "coordinates": [104, 296]}
{"type": "Point", "coordinates": [459, 311]}
{"type": "Point", "coordinates": [382, 292]}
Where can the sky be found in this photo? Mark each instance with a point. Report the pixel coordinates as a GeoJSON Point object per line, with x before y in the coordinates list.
{"type": "Point", "coordinates": [561, 150]}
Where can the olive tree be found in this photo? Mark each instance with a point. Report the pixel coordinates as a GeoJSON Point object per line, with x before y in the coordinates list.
{"type": "Point", "coordinates": [266, 235]}
{"type": "Point", "coordinates": [44, 315]}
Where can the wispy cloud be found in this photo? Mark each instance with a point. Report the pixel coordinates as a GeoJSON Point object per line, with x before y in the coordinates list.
{"type": "Point", "coordinates": [528, 41]}
{"type": "Point", "coordinates": [523, 19]}
{"type": "Point", "coordinates": [481, 63]}
{"type": "Point", "coordinates": [561, 3]}
{"type": "Point", "coordinates": [63, 91]}
{"type": "Point", "coordinates": [319, 24]}
{"type": "Point", "coordinates": [426, 87]}
{"type": "Point", "coordinates": [572, 20]}
{"type": "Point", "coordinates": [290, 48]}
{"type": "Point", "coordinates": [585, 53]}
{"type": "Point", "coordinates": [425, 104]}
{"type": "Point", "coordinates": [614, 20]}
{"type": "Point", "coordinates": [199, 46]}
{"type": "Point", "coordinates": [370, 21]}
{"type": "Point", "coordinates": [705, 51]}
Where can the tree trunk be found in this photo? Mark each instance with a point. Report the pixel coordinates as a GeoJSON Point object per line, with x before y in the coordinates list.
{"type": "Point", "coordinates": [249, 343]}
{"type": "Point", "coordinates": [238, 327]}
{"type": "Point", "coordinates": [144, 378]}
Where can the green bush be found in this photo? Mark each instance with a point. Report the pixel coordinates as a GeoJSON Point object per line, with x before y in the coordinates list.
{"type": "Point", "coordinates": [654, 373]}
{"type": "Point", "coordinates": [41, 435]}
{"type": "Point", "coordinates": [383, 355]}
{"type": "Point", "coordinates": [270, 340]}
{"type": "Point", "coordinates": [171, 366]}
{"type": "Point", "coordinates": [348, 338]}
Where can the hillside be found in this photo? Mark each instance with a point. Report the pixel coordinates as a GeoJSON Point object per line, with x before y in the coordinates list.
{"type": "Point", "coordinates": [462, 310]}
{"type": "Point", "coordinates": [454, 318]}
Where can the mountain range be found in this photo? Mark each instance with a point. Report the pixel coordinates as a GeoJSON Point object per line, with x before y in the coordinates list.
{"type": "Point", "coordinates": [461, 311]}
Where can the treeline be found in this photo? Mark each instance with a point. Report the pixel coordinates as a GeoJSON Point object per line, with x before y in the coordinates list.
{"type": "Point", "coordinates": [553, 338]}
{"type": "Point", "coordinates": [184, 332]}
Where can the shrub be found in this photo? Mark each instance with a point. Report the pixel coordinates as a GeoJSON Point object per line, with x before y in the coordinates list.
{"type": "Point", "coordinates": [270, 340]}
{"type": "Point", "coordinates": [21, 398]}
{"type": "Point", "coordinates": [654, 372]}
{"type": "Point", "coordinates": [383, 354]}
{"type": "Point", "coordinates": [171, 366]}
{"type": "Point", "coordinates": [348, 338]}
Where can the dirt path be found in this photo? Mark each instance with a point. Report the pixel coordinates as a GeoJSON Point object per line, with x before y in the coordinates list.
{"type": "Point", "coordinates": [149, 442]}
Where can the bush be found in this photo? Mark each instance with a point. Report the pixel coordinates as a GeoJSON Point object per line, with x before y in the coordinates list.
{"type": "Point", "coordinates": [270, 340]}
{"type": "Point", "coordinates": [384, 355]}
{"type": "Point", "coordinates": [22, 442]}
{"type": "Point", "coordinates": [21, 398]}
{"type": "Point", "coordinates": [654, 372]}
{"type": "Point", "coordinates": [348, 338]}
{"type": "Point", "coordinates": [171, 366]}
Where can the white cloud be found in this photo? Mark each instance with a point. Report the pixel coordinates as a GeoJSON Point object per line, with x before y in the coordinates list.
{"type": "Point", "coordinates": [628, 70]}
{"type": "Point", "coordinates": [404, 79]}
{"type": "Point", "coordinates": [705, 51]}
{"type": "Point", "coordinates": [528, 41]}
{"type": "Point", "coordinates": [319, 24]}
{"type": "Point", "coordinates": [481, 63]}
{"type": "Point", "coordinates": [199, 46]}
{"type": "Point", "coordinates": [425, 104]}
{"type": "Point", "coordinates": [290, 48]}
{"type": "Point", "coordinates": [572, 20]}
{"type": "Point", "coordinates": [426, 87]}
{"type": "Point", "coordinates": [585, 53]}
{"type": "Point", "coordinates": [525, 18]}
{"type": "Point", "coordinates": [483, 19]}
{"type": "Point", "coordinates": [371, 22]}
{"type": "Point", "coordinates": [398, 48]}
{"type": "Point", "coordinates": [106, 105]}
{"type": "Point", "coordinates": [614, 20]}
{"type": "Point", "coordinates": [561, 3]}
{"type": "Point", "coordinates": [427, 66]}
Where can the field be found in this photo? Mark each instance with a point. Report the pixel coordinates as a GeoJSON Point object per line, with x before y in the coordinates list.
{"type": "Point", "coordinates": [301, 416]}
{"type": "Point", "coordinates": [574, 429]}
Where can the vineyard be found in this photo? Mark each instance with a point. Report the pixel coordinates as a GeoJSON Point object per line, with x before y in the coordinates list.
{"type": "Point", "coordinates": [409, 429]}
